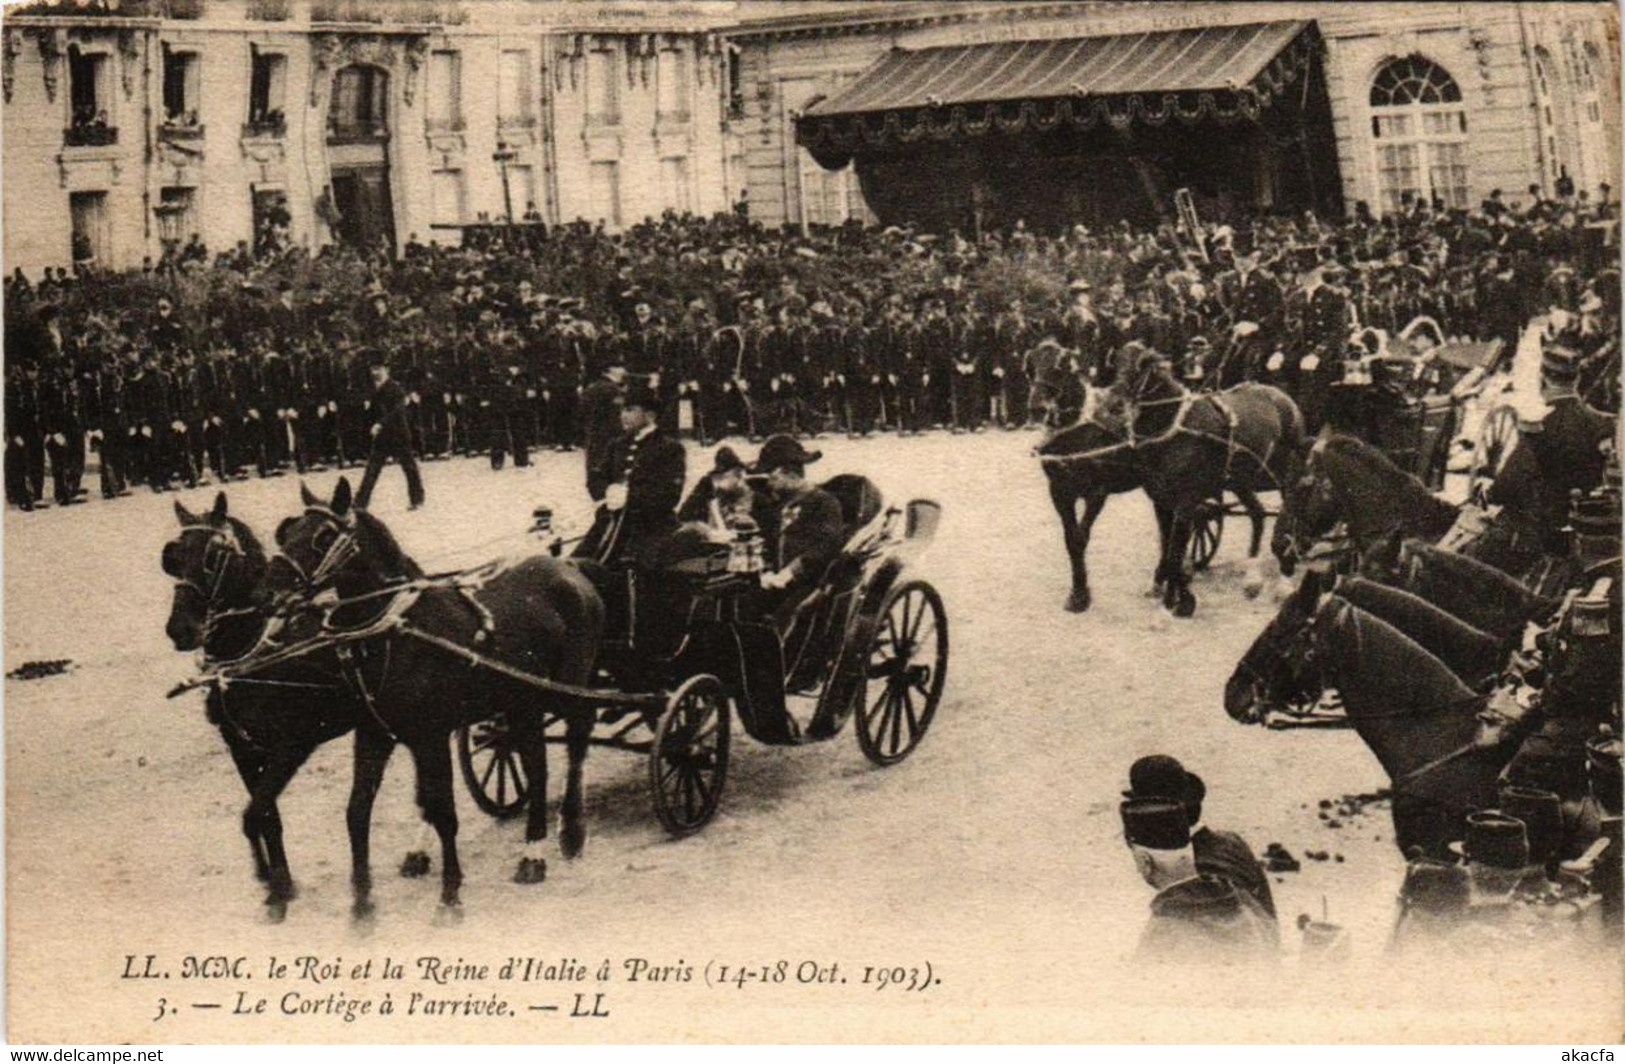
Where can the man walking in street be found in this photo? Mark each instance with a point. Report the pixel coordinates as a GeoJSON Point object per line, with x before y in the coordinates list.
{"type": "Point", "coordinates": [390, 438]}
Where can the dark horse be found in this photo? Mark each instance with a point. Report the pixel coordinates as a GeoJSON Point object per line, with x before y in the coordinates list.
{"type": "Point", "coordinates": [1418, 718]}
{"type": "Point", "coordinates": [274, 718]}
{"type": "Point", "coordinates": [539, 617]}
{"type": "Point", "coordinates": [1413, 710]}
{"type": "Point", "coordinates": [1348, 480]}
{"type": "Point", "coordinates": [1088, 459]}
{"type": "Point", "coordinates": [1191, 447]}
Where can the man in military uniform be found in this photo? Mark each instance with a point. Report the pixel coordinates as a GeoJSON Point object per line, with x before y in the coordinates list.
{"type": "Point", "coordinates": [601, 424]}
{"type": "Point", "coordinates": [808, 531]}
{"type": "Point", "coordinates": [1327, 322]}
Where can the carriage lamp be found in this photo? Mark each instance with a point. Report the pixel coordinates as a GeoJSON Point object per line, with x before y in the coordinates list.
{"type": "Point", "coordinates": [747, 553]}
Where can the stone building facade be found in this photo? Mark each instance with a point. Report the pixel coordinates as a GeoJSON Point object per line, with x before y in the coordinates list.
{"type": "Point", "coordinates": [135, 123]}
{"type": "Point", "coordinates": [1433, 99]}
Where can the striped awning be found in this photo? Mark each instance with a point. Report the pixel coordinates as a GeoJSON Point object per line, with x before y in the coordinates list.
{"type": "Point", "coordinates": [1226, 72]}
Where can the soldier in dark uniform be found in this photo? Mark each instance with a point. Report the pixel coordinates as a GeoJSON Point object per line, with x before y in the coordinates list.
{"type": "Point", "coordinates": [1082, 331]}
{"type": "Point", "coordinates": [509, 423]}
{"type": "Point", "coordinates": [809, 531]}
{"type": "Point", "coordinates": [1013, 337]}
{"type": "Point", "coordinates": [971, 346]}
{"type": "Point", "coordinates": [391, 438]}
{"type": "Point", "coordinates": [1327, 322]}
{"type": "Point", "coordinates": [25, 453]}
{"type": "Point", "coordinates": [860, 374]}
{"type": "Point", "coordinates": [601, 424]}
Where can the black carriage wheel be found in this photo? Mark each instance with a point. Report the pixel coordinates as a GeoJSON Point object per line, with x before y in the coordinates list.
{"type": "Point", "coordinates": [688, 763]}
{"type": "Point", "coordinates": [908, 655]}
{"type": "Point", "coordinates": [491, 767]}
{"type": "Point", "coordinates": [1207, 529]}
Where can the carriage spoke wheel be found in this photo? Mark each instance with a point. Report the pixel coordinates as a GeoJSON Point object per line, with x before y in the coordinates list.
{"type": "Point", "coordinates": [688, 762]}
{"type": "Point", "coordinates": [491, 767]}
{"type": "Point", "coordinates": [1207, 529]}
{"type": "Point", "coordinates": [907, 664]}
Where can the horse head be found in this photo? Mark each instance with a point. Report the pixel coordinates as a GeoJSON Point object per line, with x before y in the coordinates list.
{"type": "Point", "coordinates": [1310, 509]}
{"type": "Point", "coordinates": [1279, 670]}
{"type": "Point", "coordinates": [217, 565]}
{"type": "Point", "coordinates": [334, 546]}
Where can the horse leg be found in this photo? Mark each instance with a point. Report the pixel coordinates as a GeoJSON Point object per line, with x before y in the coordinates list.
{"type": "Point", "coordinates": [1255, 514]}
{"type": "Point", "coordinates": [250, 766]}
{"type": "Point", "coordinates": [262, 820]}
{"type": "Point", "coordinates": [1066, 508]}
{"type": "Point", "coordinates": [1177, 594]}
{"type": "Point", "coordinates": [573, 833]}
{"type": "Point", "coordinates": [1093, 504]}
{"type": "Point", "coordinates": [372, 750]}
{"type": "Point", "coordinates": [530, 736]}
{"type": "Point", "coordinates": [433, 762]}
{"type": "Point", "coordinates": [1165, 520]}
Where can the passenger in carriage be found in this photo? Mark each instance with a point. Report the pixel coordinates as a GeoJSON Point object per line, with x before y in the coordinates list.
{"type": "Point", "coordinates": [723, 503]}
{"type": "Point", "coordinates": [809, 535]}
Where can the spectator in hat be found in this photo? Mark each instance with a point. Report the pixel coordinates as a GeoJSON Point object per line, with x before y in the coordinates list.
{"type": "Point", "coordinates": [391, 438]}
{"type": "Point", "coordinates": [1222, 854]}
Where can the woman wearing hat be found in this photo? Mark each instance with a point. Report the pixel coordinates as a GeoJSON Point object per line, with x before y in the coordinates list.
{"type": "Point", "coordinates": [722, 502]}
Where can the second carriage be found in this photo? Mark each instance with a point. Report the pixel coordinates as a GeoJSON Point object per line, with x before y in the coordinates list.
{"type": "Point", "coordinates": [1408, 394]}
{"type": "Point", "coordinates": [685, 659]}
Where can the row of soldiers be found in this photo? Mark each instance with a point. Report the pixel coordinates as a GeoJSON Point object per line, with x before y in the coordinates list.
{"type": "Point", "coordinates": [740, 331]}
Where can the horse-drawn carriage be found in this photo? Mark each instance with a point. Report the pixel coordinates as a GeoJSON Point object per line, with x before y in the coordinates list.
{"type": "Point", "coordinates": [868, 642]}
{"type": "Point", "coordinates": [1405, 395]}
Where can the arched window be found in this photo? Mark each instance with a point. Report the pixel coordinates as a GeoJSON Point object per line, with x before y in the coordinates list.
{"type": "Point", "coordinates": [1419, 124]}
{"type": "Point", "coordinates": [1589, 61]}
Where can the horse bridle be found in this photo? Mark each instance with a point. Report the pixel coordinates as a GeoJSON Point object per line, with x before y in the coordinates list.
{"type": "Point", "coordinates": [218, 553]}
{"type": "Point", "coordinates": [338, 554]}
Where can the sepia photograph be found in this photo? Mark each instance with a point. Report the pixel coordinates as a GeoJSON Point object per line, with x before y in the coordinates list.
{"type": "Point", "coordinates": [823, 521]}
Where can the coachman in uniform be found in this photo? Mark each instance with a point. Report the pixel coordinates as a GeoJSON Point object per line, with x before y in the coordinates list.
{"type": "Point", "coordinates": [638, 515]}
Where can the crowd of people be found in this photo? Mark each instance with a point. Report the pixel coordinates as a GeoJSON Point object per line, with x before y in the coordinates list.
{"type": "Point", "coordinates": [254, 361]}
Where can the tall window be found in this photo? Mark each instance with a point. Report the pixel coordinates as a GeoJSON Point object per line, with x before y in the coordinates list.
{"type": "Point", "coordinates": [88, 211]}
{"type": "Point", "coordinates": [674, 185]}
{"type": "Point", "coordinates": [513, 92]}
{"type": "Point", "coordinates": [89, 98]}
{"type": "Point", "coordinates": [447, 190]}
{"type": "Point", "coordinates": [359, 107]}
{"type": "Point", "coordinates": [604, 185]}
{"type": "Point", "coordinates": [603, 88]}
{"type": "Point", "coordinates": [1544, 72]}
{"type": "Point", "coordinates": [445, 90]}
{"type": "Point", "coordinates": [1590, 58]}
{"type": "Point", "coordinates": [671, 77]}
{"type": "Point", "coordinates": [181, 88]}
{"type": "Point", "coordinates": [1420, 127]}
{"type": "Point", "coordinates": [267, 86]}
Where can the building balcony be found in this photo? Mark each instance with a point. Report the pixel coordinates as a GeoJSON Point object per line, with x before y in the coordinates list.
{"type": "Point", "coordinates": [180, 132]}
{"type": "Point", "coordinates": [89, 135]}
{"type": "Point", "coordinates": [357, 133]}
{"type": "Point", "coordinates": [273, 126]}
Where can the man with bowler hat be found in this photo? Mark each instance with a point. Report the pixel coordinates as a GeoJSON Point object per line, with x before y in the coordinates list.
{"type": "Point", "coordinates": [639, 509]}
{"type": "Point", "coordinates": [391, 438]}
{"type": "Point", "coordinates": [1223, 854]}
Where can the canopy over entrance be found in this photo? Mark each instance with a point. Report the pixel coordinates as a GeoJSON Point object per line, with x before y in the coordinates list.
{"type": "Point", "coordinates": [1079, 102]}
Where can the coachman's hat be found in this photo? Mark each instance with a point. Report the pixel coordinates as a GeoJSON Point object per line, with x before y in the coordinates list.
{"type": "Point", "coordinates": [779, 451]}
